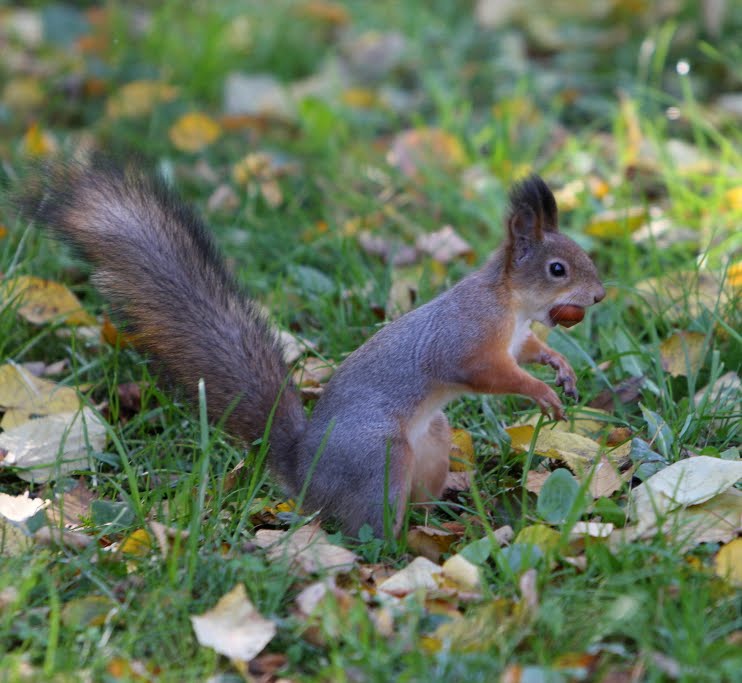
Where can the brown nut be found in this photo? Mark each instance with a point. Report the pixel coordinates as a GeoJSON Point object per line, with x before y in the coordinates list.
{"type": "Point", "coordinates": [566, 314]}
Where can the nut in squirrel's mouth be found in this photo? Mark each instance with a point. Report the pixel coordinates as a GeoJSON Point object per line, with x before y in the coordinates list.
{"type": "Point", "coordinates": [566, 315]}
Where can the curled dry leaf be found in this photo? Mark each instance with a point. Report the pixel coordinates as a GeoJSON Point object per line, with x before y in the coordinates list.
{"type": "Point", "coordinates": [687, 482]}
{"type": "Point", "coordinates": [34, 447]}
{"type": "Point", "coordinates": [306, 548]}
{"type": "Point", "coordinates": [234, 627]}
{"type": "Point", "coordinates": [41, 301]}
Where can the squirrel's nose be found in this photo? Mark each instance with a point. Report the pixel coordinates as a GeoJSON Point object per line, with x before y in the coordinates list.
{"type": "Point", "coordinates": [600, 295]}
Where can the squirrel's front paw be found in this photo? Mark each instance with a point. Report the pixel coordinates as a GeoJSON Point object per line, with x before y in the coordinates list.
{"type": "Point", "coordinates": [549, 402]}
{"type": "Point", "coordinates": [566, 377]}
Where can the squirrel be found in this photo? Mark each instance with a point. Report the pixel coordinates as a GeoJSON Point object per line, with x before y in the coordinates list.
{"type": "Point", "coordinates": [377, 437]}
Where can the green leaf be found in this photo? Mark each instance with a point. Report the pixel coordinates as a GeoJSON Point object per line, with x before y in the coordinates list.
{"type": "Point", "coordinates": [557, 496]}
{"type": "Point", "coordinates": [659, 432]}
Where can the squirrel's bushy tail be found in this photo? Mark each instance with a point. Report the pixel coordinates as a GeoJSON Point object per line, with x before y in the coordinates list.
{"type": "Point", "coordinates": [154, 259]}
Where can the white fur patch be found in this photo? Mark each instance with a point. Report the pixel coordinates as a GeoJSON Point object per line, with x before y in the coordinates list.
{"type": "Point", "coordinates": [521, 330]}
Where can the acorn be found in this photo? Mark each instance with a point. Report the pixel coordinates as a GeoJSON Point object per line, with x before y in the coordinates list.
{"type": "Point", "coordinates": [566, 315]}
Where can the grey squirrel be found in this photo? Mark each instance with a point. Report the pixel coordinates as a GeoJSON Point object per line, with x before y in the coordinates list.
{"type": "Point", "coordinates": [377, 435]}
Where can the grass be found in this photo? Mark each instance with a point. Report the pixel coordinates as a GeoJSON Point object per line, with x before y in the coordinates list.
{"type": "Point", "coordinates": [650, 607]}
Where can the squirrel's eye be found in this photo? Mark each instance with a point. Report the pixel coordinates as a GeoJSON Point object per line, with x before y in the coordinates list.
{"type": "Point", "coordinates": [557, 269]}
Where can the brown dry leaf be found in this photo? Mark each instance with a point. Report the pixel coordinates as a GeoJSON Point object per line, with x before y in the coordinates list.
{"type": "Point", "coordinates": [457, 481]}
{"type": "Point", "coordinates": [627, 391]}
{"type": "Point", "coordinates": [682, 353]}
{"type": "Point", "coordinates": [233, 627]}
{"type": "Point", "coordinates": [462, 451]}
{"type": "Point", "coordinates": [445, 246]}
{"type": "Point", "coordinates": [42, 301]}
{"type": "Point", "coordinates": [616, 223]}
{"type": "Point", "coordinates": [34, 447]}
{"type": "Point", "coordinates": [193, 132]}
{"type": "Point", "coordinates": [71, 507]}
{"type": "Point", "coordinates": [306, 548]}
{"type": "Point", "coordinates": [139, 98]}
{"type": "Point", "coordinates": [430, 542]}
{"type": "Point", "coordinates": [390, 251]}
{"type": "Point", "coordinates": [728, 562]}
{"type": "Point", "coordinates": [413, 150]}
{"type": "Point", "coordinates": [24, 396]}
{"type": "Point", "coordinates": [111, 335]}
{"type": "Point", "coordinates": [536, 480]}
{"type": "Point", "coordinates": [223, 199]}
{"type": "Point", "coordinates": [419, 574]}
{"type": "Point", "coordinates": [327, 12]}
{"type": "Point", "coordinates": [605, 479]}
{"type": "Point", "coordinates": [292, 346]}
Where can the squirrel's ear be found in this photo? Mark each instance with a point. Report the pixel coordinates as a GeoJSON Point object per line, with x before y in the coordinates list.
{"type": "Point", "coordinates": [534, 193]}
{"type": "Point", "coordinates": [523, 232]}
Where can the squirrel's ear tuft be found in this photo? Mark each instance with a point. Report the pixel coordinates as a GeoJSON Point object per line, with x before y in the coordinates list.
{"type": "Point", "coordinates": [533, 193]}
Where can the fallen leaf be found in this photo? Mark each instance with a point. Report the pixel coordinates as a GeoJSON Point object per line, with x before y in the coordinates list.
{"type": "Point", "coordinates": [717, 520]}
{"type": "Point", "coordinates": [390, 251]}
{"type": "Point", "coordinates": [540, 535]}
{"type": "Point", "coordinates": [605, 480]}
{"type": "Point", "coordinates": [138, 543]}
{"type": "Point", "coordinates": [61, 538]}
{"type": "Point", "coordinates": [616, 223]}
{"type": "Point", "coordinates": [577, 451]}
{"type": "Point", "coordinates": [86, 611]}
{"type": "Point", "coordinates": [34, 447]}
{"type": "Point", "coordinates": [535, 480]}
{"type": "Point", "coordinates": [223, 199]}
{"type": "Point", "coordinates": [728, 562]}
{"type": "Point", "coordinates": [418, 575]}
{"type": "Point", "coordinates": [687, 482]}
{"type": "Point", "coordinates": [42, 301]}
{"type": "Point", "coordinates": [38, 142]}
{"type": "Point", "coordinates": [402, 293]}
{"type": "Point", "coordinates": [257, 95]}
{"type": "Point", "coordinates": [557, 496]}
{"type": "Point", "coordinates": [462, 572]}
{"type": "Point", "coordinates": [425, 148]}
{"type": "Point", "coordinates": [193, 132]}
{"type": "Point", "coordinates": [462, 451]}
{"type": "Point", "coordinates": [306, 548]}
{"type": "Point", "coordinates": [429, 541]}
{"type": "Point", "coordinates": [233, 627]}
{"type": "Point", "coordinates": [71, 507]}
{"type": "Point", "coordinates": [139, 98]}
{"type": "Point", "coordinates": [625, 392]}
{"type": "Point", "coordinates": [24, 397]}
{"type": "Point", "coordinates": [445, 246]}
{"type": "Point", "coordinates": [592, 529]}
{"type": "Point", "coordinates": [456, 482]}
{"type": "Point", "coordinates": [684, 294]}
{"type": "Point", "coordinates": [722, 399]}
{"type": "Point", "coordinates": [19, 509]}
{"type": "Point", "coordinates": [682, 353]}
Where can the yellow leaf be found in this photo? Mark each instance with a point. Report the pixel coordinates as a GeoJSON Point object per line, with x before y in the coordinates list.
{"type": "Point", "coordinates": [728, 562]}
{"type": "Point", "coordinates": [194, 131]}
{"type": "Point", "coordinates": [682, 353]}
{"type": "Point", "coordinates": [617, 223]}
{"type": "Point", "coordinates": [360, 98]}
{"type": "Point", "coordinates": [546, 538]}
{"type": "Point", "coordinates": [734, 274]}
{"type": "Point", "coordinates": [23, 95]}
{"type": "Point", "coordinates": [38, 142]}
{"type": "Point", "coordinates": [462, 451]}
{"type": "Point", "coordinates": [578, 451]}
{"type": "Point", "coordinates": [733, 198]}
{"type": "Point", "coordinates": [86, 611]}
{"type": "Point", "coordinates": [139, 98]}
{"type": "Point", "coordinates": [23, 396]}
{"type": "Point", "coordinates": [137, 543]}
{"type": "Point", "coordinates": [44, 301]}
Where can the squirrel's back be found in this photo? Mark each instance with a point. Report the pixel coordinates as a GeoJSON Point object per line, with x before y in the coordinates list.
{"type": "Point", "coordinates": [156, 262]}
